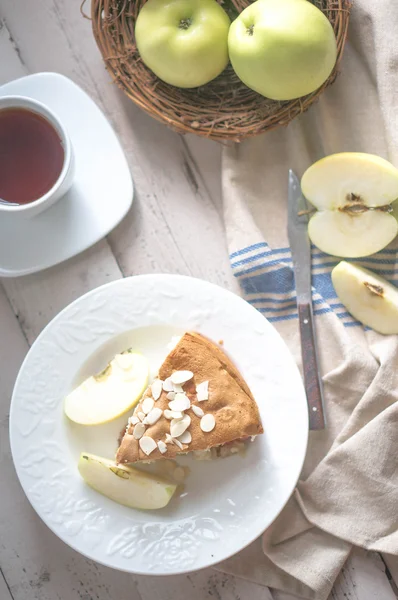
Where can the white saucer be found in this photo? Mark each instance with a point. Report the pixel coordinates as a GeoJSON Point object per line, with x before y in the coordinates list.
{"type": "Point", "coordinates": [101, 193]}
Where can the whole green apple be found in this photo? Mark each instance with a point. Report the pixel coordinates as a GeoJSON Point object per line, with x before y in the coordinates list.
{"type": "Point", "coordinates": [184, 42]}
{"type": "Point", "coordinates": [282, 49]}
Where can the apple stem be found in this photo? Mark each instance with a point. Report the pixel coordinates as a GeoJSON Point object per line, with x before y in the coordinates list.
{"type": "Point", "coordinates": [185, 23]}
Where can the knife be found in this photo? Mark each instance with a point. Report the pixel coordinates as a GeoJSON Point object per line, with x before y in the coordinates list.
{"type": "Point", "coordinates": [301, 256]}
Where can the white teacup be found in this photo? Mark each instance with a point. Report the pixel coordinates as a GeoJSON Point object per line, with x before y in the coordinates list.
{"type": "Point", "coordinates": [65, 177]}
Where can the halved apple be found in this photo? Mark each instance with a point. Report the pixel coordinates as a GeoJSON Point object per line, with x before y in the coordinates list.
{"type": "Point", "coordinates": [111, 393]}
{"type": "Point", "coordinates": [368, 297]}
{"type": "Point", "coordinates": [352, 193]}
{"type": "Point", "coordinates": [125, 485]}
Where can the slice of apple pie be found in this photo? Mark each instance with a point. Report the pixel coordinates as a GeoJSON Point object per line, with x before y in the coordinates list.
{"type": "Point", "coordinates": [200, 403]}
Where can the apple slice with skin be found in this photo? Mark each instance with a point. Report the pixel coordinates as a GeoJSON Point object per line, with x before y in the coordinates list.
{"type": "Point", "coordinates": [368, 297]}
{"type": "Point", "coordinates": [352, 193]}
{"type": "Point", "coordinates": [125, 485]}
{"type": "Point", "coordinates": [104, 397]}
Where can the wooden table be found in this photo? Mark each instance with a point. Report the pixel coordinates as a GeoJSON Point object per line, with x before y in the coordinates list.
{"type": "Point", "coordinates": [175, 226]}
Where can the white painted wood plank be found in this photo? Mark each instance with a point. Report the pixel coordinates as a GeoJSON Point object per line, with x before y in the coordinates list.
{"type": "Point", "coordinates": [392, 565]}
{"type": "Point", "coordinates": [200, 586]}
{"type": "Point", "coordinates": [207, 156]}
{"type": "Point", "coordinates": [4, 591]}
{"type": "Point", "coordinates": [37, 298]}
{"type": "Point", "coordinates": [363, 578]}
{"type": "Point", "coordinates": [11, 65]}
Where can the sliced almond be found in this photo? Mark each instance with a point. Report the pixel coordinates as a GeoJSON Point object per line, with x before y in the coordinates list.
{"type": "Point", "coordinates": [178, 444]}
{"type": "Point", "coordinates": [207, 423]}
{"type": "Point", "coordinates": [202, 391]}
{"type": "Point", "coordinates": [141, 415]}
{"type": "Point", "coordinates": [177, 388]}
{"type": "Point", "coordinates": [147, 405]}
{"type": "Point", "coordinates": [185, 438]}
{"type": "Point", "coordinates": [139, 431]}
{"type": "Point", "coordinates": [173, 414]}
{"type": "Point", "coordinates": [153, 416]}
{"type": "Point", "coordinates": [170, 396]}
{"type": "Point", "coordinates": [197, 410]}
{"type": "Point", "coordinates": [181, 402]}
{"type": "Point", "coordinates": [156, 389]}
{"type": "Point", "coordinates": [173, 342]}
{"type": "Point", "coordinates": [147, 444]}
{"type": "Point", "coordinates": [134, 420]}
{"type": "Point", "coordinates": [169, 439]}
{"type": "Point", "coordinates": [162, 447]}
{"type": "Point", "coordinates": [168, 385]}
{"type": "Point", "coordinates": [181, 377]}
{"type": "Point", "coordinates": [178, 426]}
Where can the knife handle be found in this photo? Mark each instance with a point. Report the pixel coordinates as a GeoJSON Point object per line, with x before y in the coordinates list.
{"type": "Point", "coordinates": [312, 377]}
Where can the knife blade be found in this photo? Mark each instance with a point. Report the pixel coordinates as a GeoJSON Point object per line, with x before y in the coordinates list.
{"type": "Point", "coordinates": [300, 246]}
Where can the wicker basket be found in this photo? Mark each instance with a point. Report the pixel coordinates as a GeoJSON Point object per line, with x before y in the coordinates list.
{"type": "Point", "coordinates": [224, 109]}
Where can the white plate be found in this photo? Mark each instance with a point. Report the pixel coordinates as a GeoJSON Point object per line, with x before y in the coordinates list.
{"type": "Point", "coordinates": [227, 503]}
{"type": "Point", "coordinates": [101, 193]}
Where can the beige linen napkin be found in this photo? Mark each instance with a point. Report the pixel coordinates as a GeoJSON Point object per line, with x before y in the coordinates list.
{"type": "Point", "coordinates": [348, 490]}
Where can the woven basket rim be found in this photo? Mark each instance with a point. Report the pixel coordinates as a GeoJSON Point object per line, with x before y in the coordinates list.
{"type": "Point", "coordinates": [223, 110]}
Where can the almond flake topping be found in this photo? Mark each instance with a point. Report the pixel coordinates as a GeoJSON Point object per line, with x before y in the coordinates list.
{"type": "Point", "coordinates": [181, 377]}
{"type": "Point", "coordinates": [170, 395]}
{"type": "Point", "coordinates": [133, 420]}
{"type": "Point", "coordinates": [168, 385]}
{"type": "Point", "coordinates": [139, 431]}
{"type": "Point", "coordinates": [185, 438]}
{"type": "Point", "coordinates": [169, 439]}
{"type": "Point", "coordinates": [162, 447]}
{"type": "Point", "coordinates": [178, 444]}
{"type": "Point", "coordinates": [173, 342]}
{"type": "Point", "coordinates": [177, 388]}
{"type": "Point", "coordinates": [207, 423]}
{"type": "Point", "coordinates": [153, 416]}
{"type": "Point", "coordinates": [147, 444]}
{"type": "Point", "coordinates": [141, 415]}
{"type": "Point", "coordinates": [202, 391]}
{"type": "Point", "coordinates": [197, 410]}
{"type": "Point", "coordinates": [181, 402]}
{"type": "Point", "coordinates": [172, 414]}
{"type": "Point", "coordinates": [148, 405]}
{"type": "Point", "coordinates": [156, 389]}
{"type": "Point", "coordinates": [178, 426]}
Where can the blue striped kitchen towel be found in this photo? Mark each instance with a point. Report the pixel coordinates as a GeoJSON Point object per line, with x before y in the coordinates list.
{"type": "Point", "coordinates": [267, 280]}
{"type": "Point", "coordinates": [349, 481]}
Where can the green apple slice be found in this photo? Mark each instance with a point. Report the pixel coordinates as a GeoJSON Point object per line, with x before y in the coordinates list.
{"type": "Point", "coordinates": [353, 193]}
{"type": "Point", "coordinates": [104, 397]}
{"type": "Point", "coordinates": [368, 297]}
{"type": "Point", "coordinates": [125, 485]}
{"type": "Point", "coordinates": [339, 234]}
